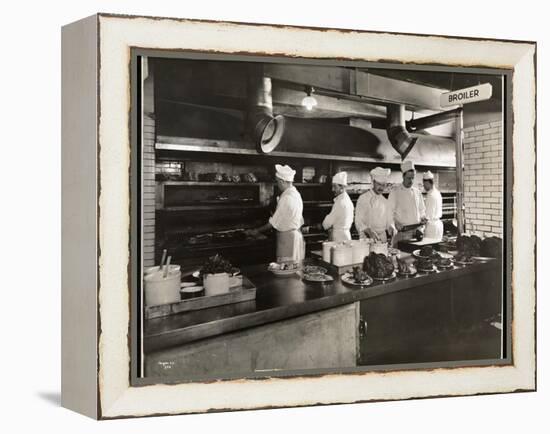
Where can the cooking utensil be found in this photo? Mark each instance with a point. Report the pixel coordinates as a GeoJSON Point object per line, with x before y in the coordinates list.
{"type": "Point", "coordinates": [164, 253]}
{"type": "Point", "coordinates": [165, 270]}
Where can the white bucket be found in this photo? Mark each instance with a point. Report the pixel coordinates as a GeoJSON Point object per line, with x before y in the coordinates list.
{"type": "Point", "coordinates": [215, 284]}
{"type": "Point", "coordinates": [342, 255]}
{"type": "Point", "coordinates": [160, 290]}
{"type": "Point", "coordinates": [171, 268]}
{"type": "Point", "coordinates": [360, 250]}
{"type": "Point", "coordinates": [327, 246]}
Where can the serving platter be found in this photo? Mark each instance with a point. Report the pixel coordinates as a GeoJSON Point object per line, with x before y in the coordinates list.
{"type": "Point", "coordinates": [444, 267]}
{"type": "Point", "coordinates": [456, 261]}
{"type": "Point", "coordinates": [417, 254]}
{"type": "Point", "coordinates": [318, 278]}
{"type": "Point", "coordinates": [385, 279]}
{"type": "Point", "coordinates": [409, 274]}
{"type": "Point", "coordinates": [348, 279]}
{"type": "Point", "coordinates": [428, 270]}
{"type": "Point", "coordinates": [482, 258]}
{"type": "Point", "coordinates": [274, 268]}
{"type": "Point", "coordinates": [314, 269]}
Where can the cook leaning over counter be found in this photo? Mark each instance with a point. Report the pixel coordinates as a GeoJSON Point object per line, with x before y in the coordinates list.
{"type": "Point", "coordinates": [287, 219]}
{"type": "Point", "coordinates": [338, 221]}
{"type": "Point", "coordinates": [373, 218]}
{"type": "Point", "coordinates": [407, 205]}
{"type": "Point", "coordinates": [434, 208]}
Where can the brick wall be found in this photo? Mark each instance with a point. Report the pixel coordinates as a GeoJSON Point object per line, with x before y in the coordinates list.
{"type": "Point", "coordinates": [148, 159]}
{"type": "Point", "coordinates": [483, 178]}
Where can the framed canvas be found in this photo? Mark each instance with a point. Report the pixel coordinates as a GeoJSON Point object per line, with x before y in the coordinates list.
{"type": "Point", "coordinates": [260, 216]}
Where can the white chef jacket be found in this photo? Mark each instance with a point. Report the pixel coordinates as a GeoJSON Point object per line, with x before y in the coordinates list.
{"type": "Point", "coordinates": [340, 218]}
{"type": "Point", "coordinates": [288, 214]}
{"type": "Point", "coordinates": [372, 212]}
{"type": "Point", "coordinates": [288, 220]}
{"type": "Point", "coordinates": [406, 205]}
{"type": "Point", "coordinates": [434, 204]}
{"type": "Point", "coordinates": [434, 211]}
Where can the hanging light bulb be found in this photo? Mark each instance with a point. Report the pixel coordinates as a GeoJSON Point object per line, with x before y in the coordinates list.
{"type": "Point", "coordinates": [309, 102]}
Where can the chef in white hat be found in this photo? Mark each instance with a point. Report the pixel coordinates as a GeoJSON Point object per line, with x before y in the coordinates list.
{"type": "Point", "coordinates": [406, 204]}
{"type": "Point", "coordinates": [287, 219]}
{"type": "Point", "coordinates": [434, 208]}
{"type": "Point", "coordinates": [338, 222]}
{"type": "Point", "coordinates": [373, 218]}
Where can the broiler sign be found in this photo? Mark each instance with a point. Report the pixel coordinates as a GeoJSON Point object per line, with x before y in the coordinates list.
{"type": "Point", "coordinates": [467, 95]}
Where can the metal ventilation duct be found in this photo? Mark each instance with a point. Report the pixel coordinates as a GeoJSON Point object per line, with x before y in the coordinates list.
{"type": "Point", "coordinates": [401, 140]}
{"type": "Point", "coordinates": [265, 129]}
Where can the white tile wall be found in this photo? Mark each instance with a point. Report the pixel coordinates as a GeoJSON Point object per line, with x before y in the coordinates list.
{"type": "Point", "coordinates": [483, 178]}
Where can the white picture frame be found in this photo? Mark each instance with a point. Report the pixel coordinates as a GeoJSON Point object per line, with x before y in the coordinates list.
{"type": "Point", "coordinates": [96, 218]}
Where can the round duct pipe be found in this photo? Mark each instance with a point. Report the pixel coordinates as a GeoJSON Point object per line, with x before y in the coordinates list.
{"type": "Point", "coordinates": [401, 140]}
{"type": "Point", "coordinates": [265, 129]}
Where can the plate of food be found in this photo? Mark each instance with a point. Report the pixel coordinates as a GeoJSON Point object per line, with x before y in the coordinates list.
{"type": "Point", "coordinates": [385, 278]}
{"type": "Point", "coordinates": [463, 259]}
{"type": "Point", "coordinates": [284, 268]}
{"type": "Point", "coordinates": [314, 269]}
{"type": "Point", "coordinates": [443, 263]}
{"type": "Point", "coordinates": [357, 277]}
{"type": "Point", "coordinates": [318, 277]}
{"type": "Point", "coordinates": [405, 269]}
{"type": "Point", "coordinates": [425, 265]}
{"type": "Point", "coordinates": [424, 252]}
{"type": "Point", "coordinates": [379, 266]}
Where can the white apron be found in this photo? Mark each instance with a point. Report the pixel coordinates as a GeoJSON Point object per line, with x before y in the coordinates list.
{"type": "Point", "coordinates": [380, 232]}
{"type": "Point", "coordinates": [290, 246]}
{"type": "Point", "coordinates": [339, 235]}
{"type": "Point", "coordinates": [434, 229]}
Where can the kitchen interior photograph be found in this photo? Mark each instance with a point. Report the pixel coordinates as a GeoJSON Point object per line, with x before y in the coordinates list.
{"type": "Point", "coordinates": [304, 217]}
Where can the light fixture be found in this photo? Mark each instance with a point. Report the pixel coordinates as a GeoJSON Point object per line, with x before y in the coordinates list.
{"type": "Point", "coordinates": [309, 102]}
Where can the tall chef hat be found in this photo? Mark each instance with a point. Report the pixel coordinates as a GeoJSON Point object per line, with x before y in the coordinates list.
{"type": "Point", "coordinates": [428, 175]}
{"type": "Point", "coordinates": [286, 173]}
{"type": "Point", "coordinates": [340, 178]}
{"type": "Point", "coordinates": [407, 165]}
{"type": "Point", "coordinates": [380, 175]}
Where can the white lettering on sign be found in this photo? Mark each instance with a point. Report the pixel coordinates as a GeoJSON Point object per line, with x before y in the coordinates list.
{"type": "Point", "coordinates": [467, 95]}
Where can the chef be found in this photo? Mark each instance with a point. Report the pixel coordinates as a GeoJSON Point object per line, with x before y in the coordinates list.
{"type": "Point", "coordinates": [406, 204]}
{"type": "Point", "coordinates": [434, 208]}
{"type": "Point", "coordinates": [339, 221]}
{"type": "Point", "coordinates": [373, 218]}
{"type": "Point", "coordinates": [287, 219]}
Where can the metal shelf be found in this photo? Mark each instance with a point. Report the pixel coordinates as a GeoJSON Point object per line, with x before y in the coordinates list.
{"type": "Point", "coordinates": [222, 147]}
{"type": "Point", "coordinates": [211, 183]}
{"type": "Point", "coordinates": [220, 206]}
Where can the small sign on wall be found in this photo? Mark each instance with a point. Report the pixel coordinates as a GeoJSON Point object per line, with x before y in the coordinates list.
{"type": "Point", "coordinates": [467, 95]}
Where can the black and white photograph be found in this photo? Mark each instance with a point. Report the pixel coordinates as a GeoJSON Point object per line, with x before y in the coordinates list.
{"type": "Point", "coordinates": [283, 217]}
{"type": "Point", "coordinates": [299, 217]}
